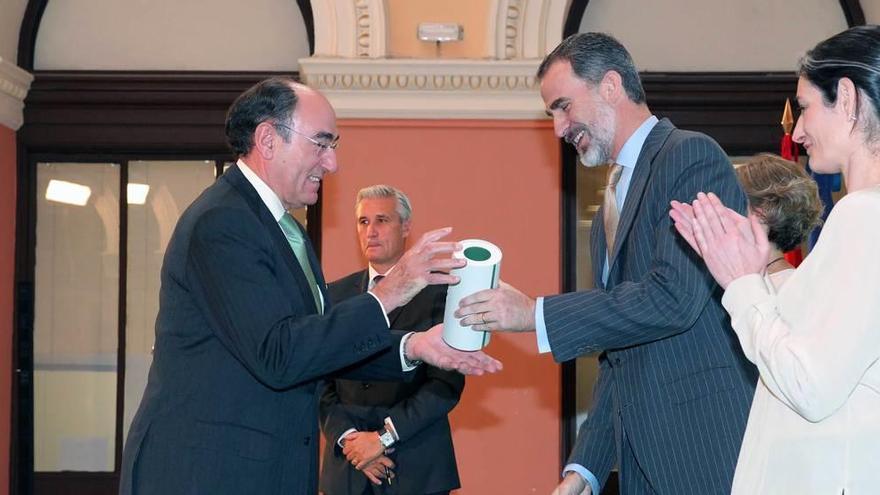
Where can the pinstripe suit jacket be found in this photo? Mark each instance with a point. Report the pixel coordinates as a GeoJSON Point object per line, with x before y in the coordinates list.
{"type": "Point", "coordinates": [672, 374]}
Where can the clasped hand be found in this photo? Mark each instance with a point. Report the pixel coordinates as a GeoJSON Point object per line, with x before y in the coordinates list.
{"type": "Point", "coordinates": [365, 452]}
{"type": "Point", "coordinates": [731, 245]}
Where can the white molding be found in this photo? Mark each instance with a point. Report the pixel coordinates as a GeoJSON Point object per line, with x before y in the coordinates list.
{"type": "Point", "coordinates": [14, 86]}
{"type": "Point", "coordinates": [350, 28]}
{"type": "Point", "coordinates": [416, 89]}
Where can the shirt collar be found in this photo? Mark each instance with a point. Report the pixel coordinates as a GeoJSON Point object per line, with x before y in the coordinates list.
{"type": "Point", "coordinates": [374, 272]}
{"type": "Point", "coordinates": [270, 199]}
{"type": "Point", "coordinates": [632, 148]}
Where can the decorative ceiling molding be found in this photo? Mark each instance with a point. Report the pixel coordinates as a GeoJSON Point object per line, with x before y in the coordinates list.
{"type": "Point", "coordinates": [14, 86]}
{"type": "Point", "coordinates": [351, 64]}
{"type": "Point", "coordinates": [395, 88]}
{"type": "Point", "coordinates": [350, 28]}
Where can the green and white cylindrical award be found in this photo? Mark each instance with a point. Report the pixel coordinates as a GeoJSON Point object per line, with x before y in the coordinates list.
{"type": "Point", "coordinates": [482, 270]}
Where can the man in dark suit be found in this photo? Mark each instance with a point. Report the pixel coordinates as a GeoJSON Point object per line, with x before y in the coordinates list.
{"type": "Point", "coordinates": [674, 389]}
{"type": "Point", "coordinates": [406, 420]}
{"type": "Point", "coordinates": [246, 332]}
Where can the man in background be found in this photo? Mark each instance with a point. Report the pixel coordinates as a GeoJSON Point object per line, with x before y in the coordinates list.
{"type": "Point", "coordinates": [402, 426]}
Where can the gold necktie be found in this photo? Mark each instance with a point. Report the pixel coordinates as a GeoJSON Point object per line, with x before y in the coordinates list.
{"type": "Point", "coordinates": [611, 216]}
{"type": "Point", "coordinates": [298, 245]}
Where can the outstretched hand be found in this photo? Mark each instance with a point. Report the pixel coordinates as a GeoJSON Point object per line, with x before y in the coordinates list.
{"type": "Point", "coordinates": [504, 309]}
{"type": "Point", "coordinates": [427, 262]}
{"type": "Point", "coordinates": [429, 347]}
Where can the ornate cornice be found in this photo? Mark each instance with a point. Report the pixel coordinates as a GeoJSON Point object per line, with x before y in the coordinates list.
{"type": "Point", "coordinates": [14, 85]}
{"type": "Point", "coordinates": [396, 88]}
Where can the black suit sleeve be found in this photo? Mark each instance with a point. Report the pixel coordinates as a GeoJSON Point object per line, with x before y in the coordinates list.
{"type": "Point", "coordinates": [239, 281]}
{"type": "Point", "coordinates": [437, 396]}
{"type": "Point", "coordinates": [334, 419]}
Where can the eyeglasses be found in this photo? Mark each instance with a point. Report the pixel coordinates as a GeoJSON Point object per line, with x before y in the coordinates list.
{"type": "Point", "coordinates": [322, 146]}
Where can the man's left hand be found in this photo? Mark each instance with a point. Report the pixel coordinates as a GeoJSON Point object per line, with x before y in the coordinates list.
{"type": "Point", "coordinates": [429, 347]}
{"type": "Point", "coordinates": [362, 447]}
{"type": "Point", "coordinates": [505, 309]}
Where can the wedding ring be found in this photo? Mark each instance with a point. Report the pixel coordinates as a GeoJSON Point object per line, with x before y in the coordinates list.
{"type": "Point", "coordinates": [483, 317]}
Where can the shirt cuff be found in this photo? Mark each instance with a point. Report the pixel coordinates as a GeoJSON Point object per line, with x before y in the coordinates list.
{"type": "Point", "coordinates": [342, 437]}
{"type": "Point", "coordinates": [585, 474]}
{"type": "Point", "coordinates": [384, 313]}
{"type": "Point", "coordinates": [541, 328]}
{"type": "Point", "coordinates": [403, 364]}
{"type": "Point", "coordinates": [743, 293]}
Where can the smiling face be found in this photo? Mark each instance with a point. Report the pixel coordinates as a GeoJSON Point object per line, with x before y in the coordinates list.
{"type": "Point", "coordinates": [823, 130]}
{"type": "Point", "coordinates": [298, 165]}
{"type": "Point", "coordinates": [580, 114]}
{"type": "Point", "coordinates": [381, 232]}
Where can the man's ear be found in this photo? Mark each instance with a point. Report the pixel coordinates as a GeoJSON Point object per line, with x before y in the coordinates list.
{"type": "Point", "coordinates": [405, 228]}
{"type": "Point", "coordinates": [611, 86]}
{"type": "Point", "coordinates": [265, 140]}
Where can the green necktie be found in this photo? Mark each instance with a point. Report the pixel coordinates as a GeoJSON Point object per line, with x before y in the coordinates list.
{"type": "Point", "coordinates": [298, 244]}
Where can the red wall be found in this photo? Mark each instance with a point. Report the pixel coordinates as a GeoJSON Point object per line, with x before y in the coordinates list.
{"type": "Point", "coordinates": [496, 180]}
{"type": "Point", "coordinates": [7, 260]}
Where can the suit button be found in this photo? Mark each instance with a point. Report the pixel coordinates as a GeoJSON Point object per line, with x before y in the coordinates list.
{"type": "Point", "coordinates": [366, 386]}
{"type": "Point", "coordinates": [370, 344]}
{"type": "Point", "coordinates": [307, 440]}
{"type": "Point", "coordinates": [617, 361]}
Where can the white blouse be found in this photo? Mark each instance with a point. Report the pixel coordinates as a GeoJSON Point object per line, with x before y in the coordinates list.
{"type": "Point", "coordinates": [814, 426]}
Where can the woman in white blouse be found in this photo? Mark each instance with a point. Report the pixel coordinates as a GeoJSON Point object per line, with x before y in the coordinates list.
{"type": "Point", "coordinates": [816, 342]}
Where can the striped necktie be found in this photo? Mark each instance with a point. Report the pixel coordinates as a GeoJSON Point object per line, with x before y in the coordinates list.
{"type": "Point", "coordinates": [298, 245]}
{"type": "Point", "coordinates": [611, 216]}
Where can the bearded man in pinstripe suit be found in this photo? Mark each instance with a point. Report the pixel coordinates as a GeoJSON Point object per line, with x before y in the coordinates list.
{"type": "Point", "coordinates": [674, 389]}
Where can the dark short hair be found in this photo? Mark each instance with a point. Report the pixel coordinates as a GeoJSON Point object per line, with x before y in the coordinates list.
{"type": "Point", "coordinates": [270, 100]}
{"type": "Point", "coordinates": [854, 54]}
{"type": "Point", "coordinates": [591, 56]}
{"type": "Point", "coordinates": [783, 196]}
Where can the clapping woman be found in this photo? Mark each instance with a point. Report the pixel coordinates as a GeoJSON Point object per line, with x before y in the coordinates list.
{"type": "Point", "coordinates": [815, 341]}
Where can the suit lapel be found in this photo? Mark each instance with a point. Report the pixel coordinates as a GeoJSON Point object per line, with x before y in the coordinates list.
{"type": "Point", "coordinates": [234, 176]}
{"type": "Point", "coordinates": [597, 247]}
{"type": "Point", "coordinates": [639, 180]}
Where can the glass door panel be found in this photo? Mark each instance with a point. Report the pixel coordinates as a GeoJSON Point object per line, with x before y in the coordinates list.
{"type": "Point", "coordinates": [76, 316]}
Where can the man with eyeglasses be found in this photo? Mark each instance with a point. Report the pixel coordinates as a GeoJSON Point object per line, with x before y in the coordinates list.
{"type": "Point", "coordinates": [246, 331]}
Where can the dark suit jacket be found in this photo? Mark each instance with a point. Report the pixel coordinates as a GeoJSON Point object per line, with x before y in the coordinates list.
{"type": "Point", "coordinates": [231, 403]}
{"type": "Point", "coordinates": [425, 457]}
{"type": "Point", "coordinates": [672, 374]}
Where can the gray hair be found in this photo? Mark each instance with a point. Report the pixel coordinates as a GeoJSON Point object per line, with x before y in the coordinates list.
{"type": "Point", "coordinates": [404, 208]}
{"type": "Point", "coordinates": [591, 56]}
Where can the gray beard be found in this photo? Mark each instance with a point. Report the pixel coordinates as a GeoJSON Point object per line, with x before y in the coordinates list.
{"type": "Point", "coordinates": [596, 155]}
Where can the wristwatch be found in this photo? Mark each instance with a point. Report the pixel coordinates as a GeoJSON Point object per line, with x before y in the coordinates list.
{"type": "Point", "coordinates": [386, 438]}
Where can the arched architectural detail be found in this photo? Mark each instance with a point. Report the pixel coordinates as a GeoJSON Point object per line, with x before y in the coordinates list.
{"type": "Point", "coordinates": [351, 64]}
{"type": "Point", "coordinates": [350, 28]}
{"type": "Point", "coordinates": [14, 86]}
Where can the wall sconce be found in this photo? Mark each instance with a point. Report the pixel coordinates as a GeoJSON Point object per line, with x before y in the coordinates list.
{"type": "Point", "coordinates": [440, 32]}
